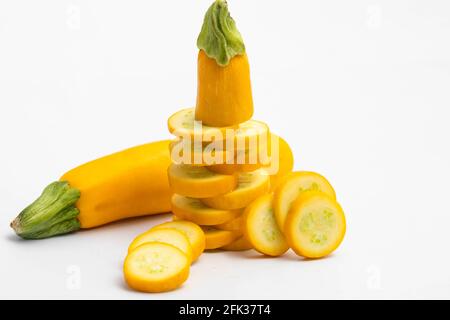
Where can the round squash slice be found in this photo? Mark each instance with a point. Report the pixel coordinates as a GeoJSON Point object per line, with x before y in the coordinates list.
{"type": "Point", "coordinates": [236, 224]}
{"type": "Point", "coordinates": [241, 244]}
{"type": "Point", "coordinates": [192, 231]}
{"type": "Point", "coordinates": [292, 186]}
{"type": "Point", "coordinates": [216, 238]}
{"type": "Point", "coordinates": [156, 267]}
{"type": "Point", "coordinates": [224, 94]}
{"type": "Point", "coordinates": [173, 237]}
{"type": "Point", "coordinates": [199, 182]}
{"type": "Point", "coordinates": [185, 152]}
{"type": "Point", "coordinates": [261, 229]}
{"type": "Point", "coordinates": [285, 162]}
{"type": "Point", "coordinates": [278, 162]}
{"type": "Point", "coordinates": [182, 124]}
{"type": "Point", "coordinates": [194, 210]}
{"type": "Point", "coordinates": [250, 186]}
{"type": "Point", "coordinates": [244, 161]}
{"type": "Point", "coordinates": [315, 225]}
{"type": "Point", "coordinates": [239, 137]}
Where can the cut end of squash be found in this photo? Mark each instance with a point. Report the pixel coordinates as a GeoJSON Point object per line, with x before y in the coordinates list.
{"type": "Point", "coordinates": [224, 94]}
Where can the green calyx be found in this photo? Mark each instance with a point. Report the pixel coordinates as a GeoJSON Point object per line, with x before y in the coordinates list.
{"type": "Point", "coordinates": [53, 213]}
{"type": "Point", "coordinates": [219, 37]}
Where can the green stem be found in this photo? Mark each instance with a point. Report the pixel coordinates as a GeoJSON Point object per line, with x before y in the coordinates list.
{"type": "Point", "coordinates": [53, 213]}
{"type": "Point", "coordinates": [219, 37]}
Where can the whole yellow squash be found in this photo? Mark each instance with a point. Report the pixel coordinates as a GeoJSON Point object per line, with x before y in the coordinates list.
{"type": "Point", "coordinates": [125, 184]}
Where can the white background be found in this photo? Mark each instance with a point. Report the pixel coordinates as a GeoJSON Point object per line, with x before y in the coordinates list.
{"type": "Point", "coordinates": [360, 89]}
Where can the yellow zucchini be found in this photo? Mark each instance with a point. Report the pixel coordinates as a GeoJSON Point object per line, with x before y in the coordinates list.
{"type": "Point", "coordinates": [224, 95]}
{"type": "Point", "coordinates": [126, 184]}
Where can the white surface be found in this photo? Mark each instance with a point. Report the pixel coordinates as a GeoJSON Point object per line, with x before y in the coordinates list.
{"type": "Point", "coordinates": [359, 88]}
